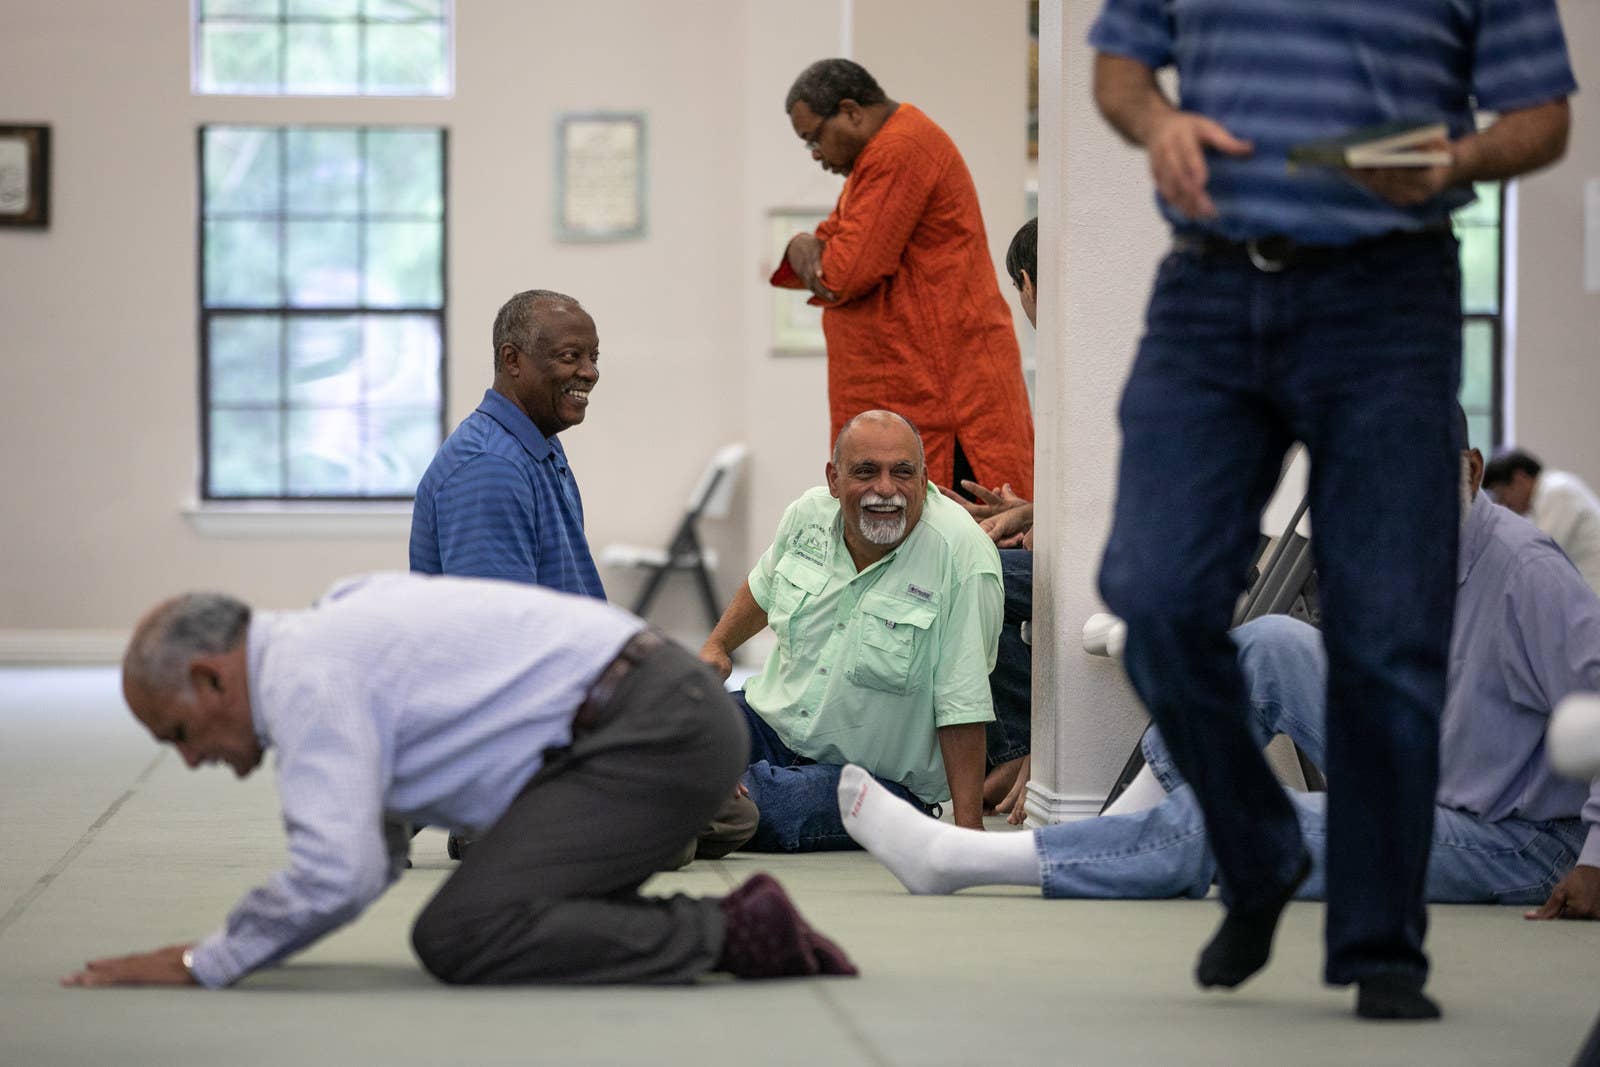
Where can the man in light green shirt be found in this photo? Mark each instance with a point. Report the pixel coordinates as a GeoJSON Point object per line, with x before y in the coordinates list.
{"type": "Point", "coordinates": [887, 602]}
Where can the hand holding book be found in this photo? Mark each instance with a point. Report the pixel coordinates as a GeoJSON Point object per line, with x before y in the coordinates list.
{"type": "Point", "coordinates": [1406, 163]}
{"type": "Point", "coordinates": [1391, 144]}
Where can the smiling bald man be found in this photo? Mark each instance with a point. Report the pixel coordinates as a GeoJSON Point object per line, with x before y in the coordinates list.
{"type": "Point", "coordinates": [886, 600]}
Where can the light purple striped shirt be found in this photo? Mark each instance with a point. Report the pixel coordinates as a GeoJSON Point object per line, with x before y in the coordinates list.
{"type": "Point", "coordinates": [413, 697]}
{"type": "Point", "coordinates": [1527, 633]}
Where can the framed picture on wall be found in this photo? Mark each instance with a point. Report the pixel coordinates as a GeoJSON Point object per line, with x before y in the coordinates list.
{"type": "Point", "coordinates": [25, 176]}
{"type": "Point", "coordinates": [796, 325]}
{"type": "Point", "coordinates": [600, 176]}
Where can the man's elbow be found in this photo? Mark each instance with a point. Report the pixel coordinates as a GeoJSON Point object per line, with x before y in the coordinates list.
{"type": "Point", "coordinates": [1560, 129]}
{"type": "Point", "coordinates": [1544, 135]}
{"type": "Point", "coordinates": [344, 891]}
{"type": "Point", "coordinates": [1103, 96]}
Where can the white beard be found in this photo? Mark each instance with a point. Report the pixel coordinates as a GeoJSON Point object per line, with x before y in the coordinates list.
{"type": "Point", "coordinates": [884, 531]}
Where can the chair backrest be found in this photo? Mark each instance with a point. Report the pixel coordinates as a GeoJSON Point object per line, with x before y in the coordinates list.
{"type": "Point", "coordinates": [713, 494]}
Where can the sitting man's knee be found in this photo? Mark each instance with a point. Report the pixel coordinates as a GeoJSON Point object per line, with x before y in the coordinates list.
{"type": "Point", "coordinates": [1274, 637]}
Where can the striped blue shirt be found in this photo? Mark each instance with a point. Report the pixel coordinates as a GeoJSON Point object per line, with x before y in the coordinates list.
{"type": "Point", "coordinates": [426, 699]}
{"type": "Point", "coordinates": [499, 501]}
{"type": "Point", "coordinates": [1279, 72]}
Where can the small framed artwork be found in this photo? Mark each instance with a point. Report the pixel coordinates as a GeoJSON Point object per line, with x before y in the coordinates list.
{"type": "Point", "coordinates": [25, 176]}
{"type": "Point", "coordinates": [600, 176]}
{"type": "Point", "coordinates": [796, 325]}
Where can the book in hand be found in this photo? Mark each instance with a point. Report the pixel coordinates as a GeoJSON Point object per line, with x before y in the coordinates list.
{"type": "Point", "coordinates": [1392, 144]}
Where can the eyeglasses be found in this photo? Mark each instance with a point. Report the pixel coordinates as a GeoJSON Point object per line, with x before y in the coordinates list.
{"type": "Point", "coordinates": [811, 140]}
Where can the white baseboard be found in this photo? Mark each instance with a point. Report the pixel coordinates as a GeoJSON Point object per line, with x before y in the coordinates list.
{"type": "Point", "coordinates": [374, 520]}
{"type": "Point", "coordinates": [61, 648]}
{"type": "Point", "coordinates": [1046, 807]}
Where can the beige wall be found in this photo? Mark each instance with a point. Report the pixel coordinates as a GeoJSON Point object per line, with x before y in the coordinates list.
{"type": "Point", "coordinates": [98, 359]}
{"type": "Point", "coordinates": [1556, 373]}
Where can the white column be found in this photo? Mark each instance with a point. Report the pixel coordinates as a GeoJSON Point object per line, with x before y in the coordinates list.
{"type": "Point", "coordinates": [1099, 241]}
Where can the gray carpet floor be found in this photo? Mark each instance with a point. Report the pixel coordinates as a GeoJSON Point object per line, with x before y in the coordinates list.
{"type": "Point", "coordinates": [112, 846]}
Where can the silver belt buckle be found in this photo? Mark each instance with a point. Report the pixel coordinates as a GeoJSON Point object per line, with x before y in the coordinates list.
{"type": "Point", "coordinates": [1260, 260]}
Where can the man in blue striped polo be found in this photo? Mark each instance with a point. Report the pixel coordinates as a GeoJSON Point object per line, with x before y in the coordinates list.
{"type": "Point", "coordinates": [1322, 305]}
{"type": "Point", "coordinates": [499, 500]}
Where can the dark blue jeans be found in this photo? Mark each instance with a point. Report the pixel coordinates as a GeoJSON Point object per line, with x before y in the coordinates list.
{"type": "Point", "coordinates": [1359, 357]}
{"type": "Point", "coordinates": [798, 798]}
{"type": "Point", "coordinates": [1011, 682]}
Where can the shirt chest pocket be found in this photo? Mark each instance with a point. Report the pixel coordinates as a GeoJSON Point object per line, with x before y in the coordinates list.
{"type": "Point", "coordinates": [793, 581]}
{"type": "Point", "coordinates": [892, 631]}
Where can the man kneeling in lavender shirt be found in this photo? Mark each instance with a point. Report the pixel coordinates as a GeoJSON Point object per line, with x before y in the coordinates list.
{"type": "Point", "coordinates": [580, 747]}
{"type": "Point", "coordinates": [1507, 829]}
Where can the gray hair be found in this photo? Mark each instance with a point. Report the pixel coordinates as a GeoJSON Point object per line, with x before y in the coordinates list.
{"type": "Point", "coordinates": [194, 624]}
{"type": "Point", "coordinates": [827, 82]}
{"type": "Point", "coordinates": [878, 415]}
{"type": "Point", "coordinates": [517, 322]}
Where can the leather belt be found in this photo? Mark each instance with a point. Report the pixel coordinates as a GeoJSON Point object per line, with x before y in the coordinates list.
{"type": "Point", "coordinates": [1274, 252]}
{"type": "Point", "coordinates": [598, 698]}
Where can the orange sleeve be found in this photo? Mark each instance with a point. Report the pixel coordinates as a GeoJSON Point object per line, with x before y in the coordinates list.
{"type": "Point", "coordinates": [884, 203]}
{"type": "Point", "coordinates": [829, 226]}
{"type": "Point", "coordinates": [785, 277]}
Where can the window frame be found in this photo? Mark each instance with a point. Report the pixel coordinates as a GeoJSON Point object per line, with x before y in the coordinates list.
{"type": "Point", "coordinates": [283, 19]}
{"type": "Point", "coordinates": [1495, 320]}
{"type": "Point", "coordinates": [287, 312]}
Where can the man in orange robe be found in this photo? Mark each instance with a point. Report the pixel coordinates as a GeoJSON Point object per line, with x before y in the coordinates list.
{"type": "Point", "coordinates": [912, 311]}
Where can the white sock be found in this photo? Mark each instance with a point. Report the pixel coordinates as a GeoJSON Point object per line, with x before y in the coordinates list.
{"type": "Point", "coordinates": [1142, 794]}
{"type": "Point", "coordinates": [925, 854]}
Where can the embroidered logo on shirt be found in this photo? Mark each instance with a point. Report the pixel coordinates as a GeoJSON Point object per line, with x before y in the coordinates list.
{"type": "Point", "coordinates": [918, 592]}
{"type": "Point", "coordinates": [814, 542]}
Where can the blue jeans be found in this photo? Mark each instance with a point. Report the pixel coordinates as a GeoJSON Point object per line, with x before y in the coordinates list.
{"type": "Point", "coordinates": [798, 799]}
{"type": "Point", "coordinates": [1162, 852]}
{"type": "Point", "coordinates": [1011, 682]}
{"type": "Point", "coordinates": [1357, 355]}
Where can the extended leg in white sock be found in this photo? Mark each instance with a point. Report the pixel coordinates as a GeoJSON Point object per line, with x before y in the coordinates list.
{"type": "Point", "coordinates": [925, 854]}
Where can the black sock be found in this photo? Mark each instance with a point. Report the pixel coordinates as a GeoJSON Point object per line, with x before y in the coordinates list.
{"type": "Point", "coordinates": [1387, 996]}
{"type": "Point", "coordinates": [1243, 943]}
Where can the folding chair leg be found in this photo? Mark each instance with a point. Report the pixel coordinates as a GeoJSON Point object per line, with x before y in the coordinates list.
{"type": "Point", "coordinates": [708, 593]}
{"type": "Point", "coordinates": [1278, 581]}
{"type": "Point", "coordinates": [1315, 782]}
{"type": "Point", "coordinates": [651, 587]}
{"type": "Point", "coordinates": [1130, 771]}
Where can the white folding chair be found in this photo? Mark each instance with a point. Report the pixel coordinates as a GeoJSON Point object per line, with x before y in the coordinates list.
{"type": "Point", "coordinates": [712, 497]}
{"type": "Point", "coordinates": [1283, 582]}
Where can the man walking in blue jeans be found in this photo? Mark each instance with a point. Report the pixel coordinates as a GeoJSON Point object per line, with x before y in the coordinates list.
{"type": "Point", "coordinates": [1324, 306]}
